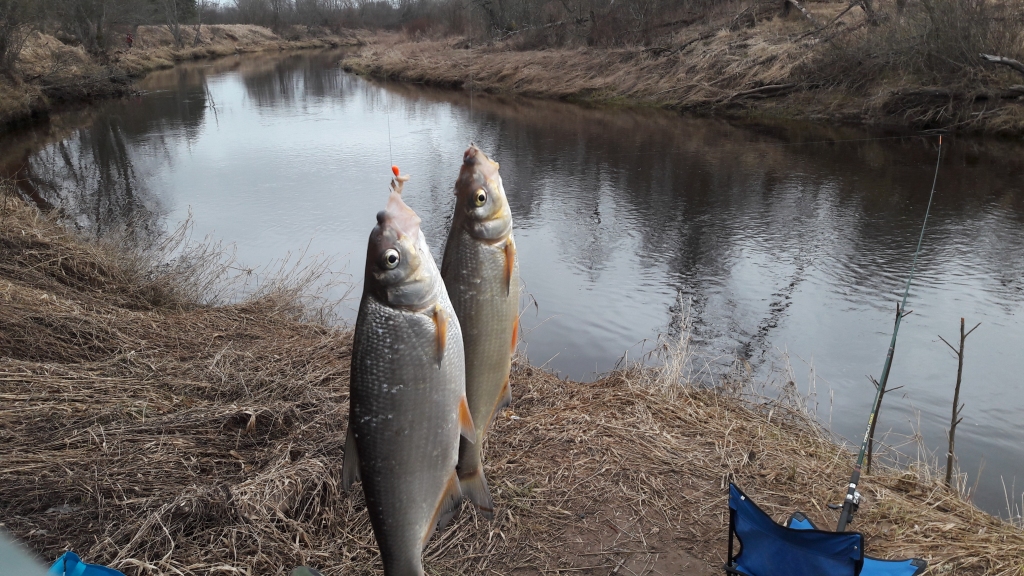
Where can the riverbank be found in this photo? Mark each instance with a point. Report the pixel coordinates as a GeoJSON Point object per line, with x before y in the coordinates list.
{"type": "Point", "coordinates": [53, 73]}
{"type": "Point", "coordinates": [830, 66]}
{"type": "Point", "coordinates": [151, 431]}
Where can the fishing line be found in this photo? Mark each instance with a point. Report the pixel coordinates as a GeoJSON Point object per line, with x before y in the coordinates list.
{"type": "Point", "coordinates": [852, 500]}
{"type": "Point", "coordinates": [387, 110]}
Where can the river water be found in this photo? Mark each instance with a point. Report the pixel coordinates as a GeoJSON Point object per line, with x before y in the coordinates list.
{"type": "Point", "coordinates": [789, 247]}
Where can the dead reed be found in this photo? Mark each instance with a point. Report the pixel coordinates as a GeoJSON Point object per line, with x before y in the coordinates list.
{"type": "Point", "coordinates": [51, 72]}
{"type": "Point", "coordinates": [158, 434]}
{"type": "Point", "coordinates": [919, 67]}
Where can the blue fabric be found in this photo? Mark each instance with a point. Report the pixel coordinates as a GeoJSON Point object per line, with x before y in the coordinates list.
{"type": "Point", "coordinates": [876, 567]}
{"type": "Point", "coordinates": [71, 565]}
{"type": "Point", "coordinates": [768, 549]}
{"type": "Point", "coordinates": [872, 566]}
{"type": "Point", "coordinates": [802, 524]}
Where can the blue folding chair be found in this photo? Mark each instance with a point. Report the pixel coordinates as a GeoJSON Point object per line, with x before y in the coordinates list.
{"type": "Point", "coordinates": [69, 564]}
{"type": "Point", "coordinates": [800, 549]}
{"type": "Point", "coordinates": [872, 566]}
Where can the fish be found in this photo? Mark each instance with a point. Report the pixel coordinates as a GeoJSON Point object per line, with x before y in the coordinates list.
{"type": "Point", "coordinates": [407, 402]}
{"type": "Point", "coordinates": [480, 269]}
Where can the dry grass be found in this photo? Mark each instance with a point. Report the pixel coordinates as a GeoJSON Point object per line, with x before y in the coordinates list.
{"type": "Point", "coordinates": [612, 74]}
{"type": "Point", "coordinates": [156, 434]}
{"type": "Point", "coordinates": [756, 63]}
{"type": "Point", "coordinates": [52, 72]}
{"type": "Point", "coordinates": [154, 46]}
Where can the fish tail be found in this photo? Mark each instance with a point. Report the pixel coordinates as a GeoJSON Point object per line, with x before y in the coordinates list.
{"type": "Point", "coordinates": [472, 480]}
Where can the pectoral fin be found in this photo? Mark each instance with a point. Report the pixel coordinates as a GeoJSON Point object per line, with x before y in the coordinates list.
{"type": "Point", "coordinates": [466, 421]}
{"type": "Point", "coordinates": [504, 398]}
{"type": "Point", "coordinates": [446, 507]}
{"type": "Point", "coordinates": [515, 334]}
{"type": "Point", "coordinates": [441, 332]}
{"type": "Point", "coordinates": [510, 264]}
{"type": "Point", "coordinates": [350, 469]}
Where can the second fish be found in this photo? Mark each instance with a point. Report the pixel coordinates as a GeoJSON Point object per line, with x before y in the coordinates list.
{"type": "Point", "coordinates": [481, 272]}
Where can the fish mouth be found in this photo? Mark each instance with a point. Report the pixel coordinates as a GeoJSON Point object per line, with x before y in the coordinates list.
{"type": "Point", "coordinates": [492, 221]}
{"type": "Point", "coordinates": [475, 159]}
{"type": "Point", "coordinates": [398, 216]}
{"type": "Point", "coordinates": [400, 271]}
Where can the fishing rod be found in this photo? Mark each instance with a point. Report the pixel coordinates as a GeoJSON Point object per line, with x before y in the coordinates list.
{"type": "Point", "coordinates": [852, 501]}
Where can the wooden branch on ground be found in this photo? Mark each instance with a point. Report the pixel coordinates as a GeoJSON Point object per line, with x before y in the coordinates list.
{"type": "Point", "coordinates": [830, 22]}
{"type": "Point", "coordinates": [925, 92]}
{"type": "Point", "coordinates": [761, 92]}
{"type": "Point", "coordinates": [687, 44]}
{"type": "Point", "coordinates": [541, 27]}
{"type": "Point", "coordinates": [803, 10]}
{"type": "Point", "coordinates": [1016, 65]}
{"type": "Point", "coordinates": [869, 11]}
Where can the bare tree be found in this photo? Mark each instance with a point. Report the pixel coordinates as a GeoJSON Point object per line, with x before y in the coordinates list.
{"type": "Point", "coordinates": [202, 7]}
{"type": "Point", "coordinates": [957, 406]}
{"type": "Point", "coordinates": [175, 13]}
{"type": "Point", "coordinates": [16, 24]}
{"type": "Point", "coordinates": [92, 22]}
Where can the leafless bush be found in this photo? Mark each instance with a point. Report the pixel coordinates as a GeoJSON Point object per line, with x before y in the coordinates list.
{"type": "Point", "coordinates": [15, 27]}
{"type": "Point", "coordinates": [930, 42]}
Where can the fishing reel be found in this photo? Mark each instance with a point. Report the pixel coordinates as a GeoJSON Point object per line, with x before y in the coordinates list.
{"type": "Point", "coordinates": [854, 502]}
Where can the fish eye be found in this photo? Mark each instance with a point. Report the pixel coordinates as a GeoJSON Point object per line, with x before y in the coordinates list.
{"type": "Point", "coordinates": [480, 198]}
{"type": "Point", "coordinates": [391, 258]}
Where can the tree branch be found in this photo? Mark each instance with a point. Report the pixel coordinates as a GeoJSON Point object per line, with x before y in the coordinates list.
{"type": "Point", "coordinates": [803, 11]}
{"type": "Point", "coordinates": [1016, 65]}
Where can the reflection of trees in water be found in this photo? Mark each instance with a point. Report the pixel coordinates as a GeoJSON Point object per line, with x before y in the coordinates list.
{"type": "Point", "coordinates": [92, 176]}
{"type": "Point", "coordinates": [700, 196]}
{"type": "Point", "coordinates": [293, 79]}
{"type": "Point", "coordinates": [92, 179]}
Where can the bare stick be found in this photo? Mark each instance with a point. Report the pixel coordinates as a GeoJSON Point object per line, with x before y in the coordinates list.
{"type": "Point", "coordinates": [957, 407]}
{"type": "Point", "coordinates": [802, 10]}
{"type": "Point", "coordinates": [1015, 64]}
{"type": "Point", "coordinates": [830, 22]}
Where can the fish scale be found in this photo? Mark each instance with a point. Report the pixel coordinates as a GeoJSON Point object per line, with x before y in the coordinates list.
{"type": "Point", "coordinates": [481, 273]}
{"type": "Point", "coordinates": [408, 481]}
{"type": "Point", "coordinates": [407, 404]}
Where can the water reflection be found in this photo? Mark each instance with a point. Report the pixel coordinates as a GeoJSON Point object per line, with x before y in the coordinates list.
{"type": "Point", "coordinates": [796, 239]}
{"type": "Point", "coordinates": [293, 78]}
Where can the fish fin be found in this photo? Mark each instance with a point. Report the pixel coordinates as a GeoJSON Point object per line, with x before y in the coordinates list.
{"type": "Point", "coordinates": [446, 507]}
{"type": "Point", "coordinates": [510, 264]}
{"type": "Point", "coordinates": [466, 421]}
{"type": "Point", "coordinates": [350, 469]}
{"type": "Point", "coordinates": [441, 331]}
{"type": "Point", "coordinates": [474, 487]}
{"type": "Point", "coordinates": [515, 333]}
{"type": "Point", "coordinates": [504, 398]}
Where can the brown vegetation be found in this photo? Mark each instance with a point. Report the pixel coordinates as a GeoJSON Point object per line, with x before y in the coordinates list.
{"type": "Point", "coordinates": [915, 64]}
{"type": "Point", "coordinates": [51, 72]}
{"type": "Point", "coordinates": [151, 431]}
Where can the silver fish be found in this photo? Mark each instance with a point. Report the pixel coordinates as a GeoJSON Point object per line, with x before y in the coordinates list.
{"type": "Point", "coordinates": [408, 396]}
{"type": "Point", "coordinates": [481, 272]}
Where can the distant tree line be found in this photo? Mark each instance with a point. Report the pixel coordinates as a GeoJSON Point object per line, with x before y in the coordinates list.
{"type": "Point", "coordinates": [100, 25]}
{"type": "Point", "coordinates": [962, 26]}
{"type": "Point", "coordinates": [95, 25]}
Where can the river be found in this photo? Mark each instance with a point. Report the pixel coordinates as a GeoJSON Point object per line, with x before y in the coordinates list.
{"type": "Point", "coordinates": [789, 246]}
